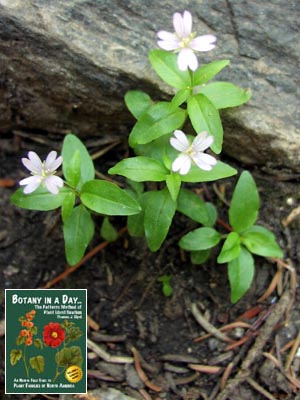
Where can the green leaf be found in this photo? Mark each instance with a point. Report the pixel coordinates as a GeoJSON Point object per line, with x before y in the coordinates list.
{"type": "Point", "coordinates": [180, 97]}
{"type": "Point", "coordinates": [78, 231]}
{"type": "Point", "coordinates": [136, 188]}
{"type": "Point", "coordinates": [219, 171]}
{"type": "Point", "coordinates": [140, 169]}
{"type": "Point", "coordinates": [200, 256]}
{"type": "Point", "coordinates": [165, 65]}
{"type": "Point", "coordinates": [208, 71]}
{"type": "Point", "coordinates": [68, 205]}
{"type": "Point", "coordinates": [167, 290]}
{"type": "Point", "coordinates": [135, 225]}
{"type": "Point", "coordinates": [160, 119]}
{"type": "Point", "coordinates": [243, 210]}
{"type": "Point", "coordinates": [225, 94]}
{"type": "Point", "coordinates": [73, 169]}
{"type": "Point", "coordinates": [212, 213]}
{"type": "Point", "coordinates": [205, 117]}
{"type": "Point", "coordinates": [38, 343]}
{"type": "Point", "coordinates": [156, 149]}
{"type": "Point", "coordinates": [34, 330]}
{"type": "Point", "coordinates": [72, 145]}
{"type": "Point", "coordinates": [40, 199]}
{"type": "Point", "coordinates": [240, 273]}
{"type": "Point", "coordinates": [195, 208]}
{"type": "Point", "coordinates": [159, 212]}
{"type": "Point", "coordinates": [37, 363]}
{"type": "Point", "coordinates": [108, 231]}
{"type": "Point", "coordinates": [73, 334]}
{"type": "Point", "coordinates": [261, 241]}
{"type": "Point", "coordinates": [200, 239]}
{"type": "Point", "coordinates": [15, 356]}
{"type": "Point", "coordinates": [231, 248]}
{"type": "Point", "coordinates": [69, 356]}
{"type": "Point", "coordinates": [166, 285]}
{"type": "Point", "coordinates": [20, 340]}
{"type": "Point", "coordinates": [137, 102]}
{"type": "Point", "coordinates": [108, 199]}
{"type": "Point", "coordinates": [173, 182]}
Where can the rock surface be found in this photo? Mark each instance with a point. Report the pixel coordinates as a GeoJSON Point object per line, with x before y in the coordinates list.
{"type": "Point", "coordinates": [65, 65]}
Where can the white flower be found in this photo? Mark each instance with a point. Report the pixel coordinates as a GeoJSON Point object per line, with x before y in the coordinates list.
{"type": "Point", "coordinates": [184, 41]}
{"type": "Point", "coordinates": [192, 153]}
{"type": "Point", "coordinates": [42, 172]}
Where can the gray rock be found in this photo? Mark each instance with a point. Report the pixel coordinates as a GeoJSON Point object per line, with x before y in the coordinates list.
{"type": "Point", "coordinates": [66, 65]}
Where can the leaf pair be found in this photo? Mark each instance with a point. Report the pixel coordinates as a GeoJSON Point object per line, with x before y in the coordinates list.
{"type": "Point", "coordinates": [202, 107]}
{"type": "Point", "coordinates": [142, 169]}
{"type": "Point", "coordinates": [95, 195]}
{"type": "Point", "coordinates": [81, 196]}
{"type": "Point", "coordinates": [221, 94]}
{"type": "Point", "coordinates": [245, 239]}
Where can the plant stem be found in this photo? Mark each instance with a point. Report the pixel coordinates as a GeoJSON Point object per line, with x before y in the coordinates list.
{"type": "Point", "coordinates": [25, 363]}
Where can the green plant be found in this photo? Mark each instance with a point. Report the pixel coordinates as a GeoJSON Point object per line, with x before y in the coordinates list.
{"type": "Point", "coordinates": [164, 161]}
{"type": "Point", "coordinates": [243, 241]}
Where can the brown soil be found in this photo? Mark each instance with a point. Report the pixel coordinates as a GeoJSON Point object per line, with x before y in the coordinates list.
{"type": "Point", "coordinates": [126, 299]}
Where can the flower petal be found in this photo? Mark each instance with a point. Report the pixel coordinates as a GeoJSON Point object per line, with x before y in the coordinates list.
{"type": "Point", "coordinates": [32, 183]}
{"type": "Point", "coordinates": [202, 142]}
{"type": "Point", "coordinates": [167, 36]}
{"type": "Point", "coordinates": [203, 43]}
{"type": "Point", "coordinates": [168, 41]}
{"type": "Point", "coordinates": [50, 158]}
{"type": "Point", "coordinates": [33, 163]}
{"type": "Point", "coordinates": [52, 163]}
{"type": "Point", "coordinates": [57, 163]}
{"type": "Point", "coordinates": [181, 142]}
{"type": "Point", "coordinates": [187, 23]}
{"type": "Point", "coordinates": [204, 161]}
{"type": "Point", "coordinates": [52, 183]}
{"type": "Point", "coordinates": [182, 164]}
{"type": "Point", "coordinates": [178, 24]}
{"type": "Point", "coordinates": [187, 59]}
{"type": "Point", "coordinates": [169, 46]}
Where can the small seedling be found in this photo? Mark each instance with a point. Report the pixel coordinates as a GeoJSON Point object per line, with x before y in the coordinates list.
{"type": "Point", "coordinates": [166, 285]}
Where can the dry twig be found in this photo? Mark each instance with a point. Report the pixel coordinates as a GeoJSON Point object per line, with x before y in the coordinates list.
{"type": "Point", "coordinates": [207, 325]}
{"type": "Point", "coordinates": [142, 374]}
{"type": "Point", "coordinates": [226, 375]}
{"type": "Point", "coordinates": [272, 286]}
{"type": "Point", "coordinates": [260, 389]}
{"type": "Point", "coordinates": [292, 215]}
{"type": "Point", "coordinates": [256, 349]}
{"type": "Point", "coordinates": [292, 353]}
{"type": "Point", "coordinates": [69, 270]}
{"type": "Point", "coordinates": [106, 356]}
{"type": "Point", "coordinates": [206, 369]}
{"type": "Point", "coordinates": [225, 328]}
{"type": "Point", "coordinates": [92, 323]}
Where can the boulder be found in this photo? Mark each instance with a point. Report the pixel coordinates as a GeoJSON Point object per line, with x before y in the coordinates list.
{"type": "Point", "coordinates": [66, 65]}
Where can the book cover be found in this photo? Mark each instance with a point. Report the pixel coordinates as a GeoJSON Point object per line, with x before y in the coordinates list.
{"type": "Point", "coordinates": [45, 341]}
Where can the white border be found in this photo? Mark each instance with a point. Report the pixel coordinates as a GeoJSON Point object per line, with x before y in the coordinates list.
{"type": "Point", "coordinates": [27, 290]}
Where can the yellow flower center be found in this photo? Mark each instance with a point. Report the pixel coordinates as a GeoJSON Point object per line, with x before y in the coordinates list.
{"type": "Point", "coordinates": [190, 151]}
{"type": "Point", "coordinates": [185, 41]}
{"type": "Point", "coordinates": [54, 335]}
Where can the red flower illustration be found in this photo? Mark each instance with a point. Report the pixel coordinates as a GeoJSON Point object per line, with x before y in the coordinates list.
{"type": "Point", "coordinates": [53, 334]}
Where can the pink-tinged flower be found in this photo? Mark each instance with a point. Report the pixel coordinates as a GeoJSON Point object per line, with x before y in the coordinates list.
{"type": "Point", "coordinates": [192, 152]}
{"type": "Point", "coordinates": [53, 334]}
{"type": "Point", "coordinates": [184, 41]}
{"type": "Point", "coordinates": [42, 172]}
